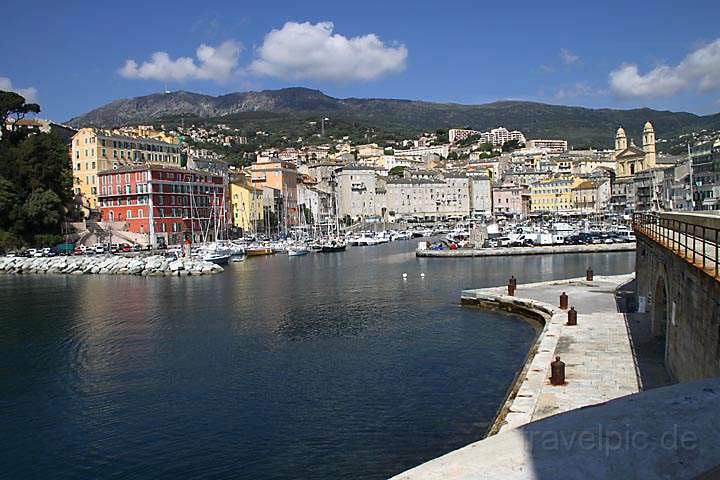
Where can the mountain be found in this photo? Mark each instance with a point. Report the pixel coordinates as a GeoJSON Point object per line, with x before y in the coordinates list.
{"type": "Point", "coordinates": [580, 126]}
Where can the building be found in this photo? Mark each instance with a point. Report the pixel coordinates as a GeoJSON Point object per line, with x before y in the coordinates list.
{"type": "Point", "coordinates": [95, 150]}
{"type": "Point", "coordinates": [246, 202]}
{"type": "Point", "coordinates": [630, 159]}
{"type": "Point", "coordinates": [511, 200]}
{"type": "Point", "coordinates": [428, 199]}
{"type": "Point", "coordinates": [497, 136]}
{"type": "Point", "coordinates": [280, 175]}
{"type": "Point", "coordinates": [553, 194]}
{"type": "Point", "coordinates": [591, 196]}
{"type": "Point", "coordinates": [481, 198]}
{"type": "Point", "coordinates": [649, 187]}
{"type": "Point", "coordinates": [420, 152]}
{"type": "Point", "coordinates": [356, 188]}
{"type": "Point", "coordinates": [706, 175]}
{"type": "Point", "coordinates": [168, 204]}
{"type": "Point", "coordinates": [550, 146]}
{"type": "Point", "coordinates": [457, 134]}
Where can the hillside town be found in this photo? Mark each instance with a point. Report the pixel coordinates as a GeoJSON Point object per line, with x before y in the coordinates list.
{"type": "Point", "coordinates": [152, 183]}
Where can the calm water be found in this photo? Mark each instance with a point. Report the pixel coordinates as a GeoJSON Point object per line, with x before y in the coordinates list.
{"type": "Point", "coordinates": [319, 367]}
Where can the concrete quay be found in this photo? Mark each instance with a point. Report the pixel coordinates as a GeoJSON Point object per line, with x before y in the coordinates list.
{"type": "Point", "coordinates": [541, 250]}
{"type": "Point", "coordinates": [597, 351]}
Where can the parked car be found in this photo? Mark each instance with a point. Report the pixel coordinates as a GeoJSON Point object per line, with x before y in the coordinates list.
{"type": "Point", "coordinates": [79, 250]}
{"type": "Point", "coordinates": [125, 248]}
{"type": "Point", "coordinates": [99, 248]}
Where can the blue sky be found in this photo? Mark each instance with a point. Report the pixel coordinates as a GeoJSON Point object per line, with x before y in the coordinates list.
{"type": "Point", "coordinates": [72, 56]}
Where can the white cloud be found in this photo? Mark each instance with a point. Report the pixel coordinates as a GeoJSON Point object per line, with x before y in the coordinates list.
{"type": "Point", "coordinates": [700, 69]}
{"type": "Point", "coordinates": [568, 57]}
{"type": "Point", "coordinates": [312, 51]}
{"type": "Point", "coordinates": [30, 93]}
{"type": "Point", "coordinates": [213, 63]}
{"type": "Point", "coordinates": [579, 89]}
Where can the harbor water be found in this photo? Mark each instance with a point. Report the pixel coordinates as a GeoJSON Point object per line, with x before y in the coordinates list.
{"type": "Point", "coordinates": [321, 366]}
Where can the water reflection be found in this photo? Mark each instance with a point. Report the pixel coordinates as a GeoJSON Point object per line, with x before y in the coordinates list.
{"type": "Point", "coordinates": [324, 366]}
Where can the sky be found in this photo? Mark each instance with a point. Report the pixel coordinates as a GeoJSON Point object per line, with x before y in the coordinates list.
{"type": "Point", "coordinates": [74, 56]}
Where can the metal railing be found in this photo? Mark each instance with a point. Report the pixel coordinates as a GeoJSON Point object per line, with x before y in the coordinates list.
{"type": "Point", "coordinates": [696, 243]}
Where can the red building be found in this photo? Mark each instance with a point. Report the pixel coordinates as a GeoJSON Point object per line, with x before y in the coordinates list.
{"type": "Point", "coordinates": [168, 204]}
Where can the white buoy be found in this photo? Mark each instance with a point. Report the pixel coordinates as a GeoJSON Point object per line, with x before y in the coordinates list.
{"type": "Point", "coordinates": [404, 275]}
{"type": "Point", "coordinates": [422, 275]}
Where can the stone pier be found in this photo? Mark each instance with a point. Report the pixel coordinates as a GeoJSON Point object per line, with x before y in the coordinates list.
{"type": "Point", "coordinates": [597, 351]}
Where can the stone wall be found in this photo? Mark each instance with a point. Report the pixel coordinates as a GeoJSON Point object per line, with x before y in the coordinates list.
{"type": "Point", "coordinates": [684, 306]}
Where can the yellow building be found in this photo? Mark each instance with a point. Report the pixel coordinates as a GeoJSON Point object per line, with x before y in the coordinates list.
{"type": "Point", "coordinates": [96, 150]}
{"type": "Point", "coordinates": [247, 205]}
{"type": "Point", "coordinates": [553, 194]}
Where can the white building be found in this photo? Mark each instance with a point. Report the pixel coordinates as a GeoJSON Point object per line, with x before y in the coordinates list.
{"type": "Point", "coordinates": [480, 194]}
{"type": "Point", "coordinates": [551, 146]}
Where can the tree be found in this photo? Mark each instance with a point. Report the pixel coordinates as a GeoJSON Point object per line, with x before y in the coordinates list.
{"type": "Point", "coordinates": [13, 107]}
{"type": "Point", "coordinates": [511, 145]}
{"type": "Point", "coordinates": [35, 178]}
{"type": "Point", "coordinates": [397, 171]}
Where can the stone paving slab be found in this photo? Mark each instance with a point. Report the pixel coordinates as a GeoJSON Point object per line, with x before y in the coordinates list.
{"type": "Point", "coordinates": [597, 352]}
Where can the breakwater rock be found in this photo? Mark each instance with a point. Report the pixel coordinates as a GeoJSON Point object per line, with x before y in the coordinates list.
{"type": "Point", "coordinates": [155, 265]}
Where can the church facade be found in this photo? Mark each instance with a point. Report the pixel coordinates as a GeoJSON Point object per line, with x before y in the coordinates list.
{"type": "Point", "coordinates": [630, 159]}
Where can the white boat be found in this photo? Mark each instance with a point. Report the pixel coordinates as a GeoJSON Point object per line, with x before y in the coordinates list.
{"type": "Point", "coordinates": [401, 236]}
{"type": "Point", "coordinates": [216, 258]}
{"type": "Point", "coordinates": [297, 250]}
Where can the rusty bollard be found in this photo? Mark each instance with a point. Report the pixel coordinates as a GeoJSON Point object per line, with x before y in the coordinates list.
{"type": "Point", "coordinates": [589, 274]}
{"type": "Point", "coordinates": [572, 317]}
{"type": "Point", "coordinates": [563, 301]}
{"type": "Point", "coordinates": [557, 372]}
{"type": "Point", "coordinates": [512, 285]}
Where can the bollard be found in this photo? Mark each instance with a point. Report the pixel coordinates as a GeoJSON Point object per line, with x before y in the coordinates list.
{"type": "Point", "coordinates": [563, 301]}
{"type": "Point", "coordinates": [589, 274]}
{"type": "Point", "coordinates": [557, 372]}
{"type": "Point", "coordinates": [572, 317]}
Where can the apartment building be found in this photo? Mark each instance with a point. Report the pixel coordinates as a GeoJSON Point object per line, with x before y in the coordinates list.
{"type": "Point", "coordinates": [246, 204]}
{"type": "Point", "coordinates": [553, 194]}
{"type": "Point", "coordinates": [550, 146]}
{"type": "Point", "coordinates": [591, 196]}
{"type": "Point", "coordinates": [168, 204]}
{"type": "Point", "coordinates": [280, 175]}
{"type": "Point", "coordinates": [96, 150]}
{"type": "Point", "coordinates": [511, 200]}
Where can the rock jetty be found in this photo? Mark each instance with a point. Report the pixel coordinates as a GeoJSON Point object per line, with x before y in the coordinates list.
{"type": "Point", "coordinates": [155, 265]}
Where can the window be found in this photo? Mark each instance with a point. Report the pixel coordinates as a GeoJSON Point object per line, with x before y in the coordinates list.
{"type": "Point", "coordinates": [128, 214]}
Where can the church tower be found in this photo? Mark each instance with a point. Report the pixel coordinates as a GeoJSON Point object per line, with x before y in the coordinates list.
{"type": "Point", "coordinates": [620, 140]}
{"type": "Point", "coordinates": [649, 144]}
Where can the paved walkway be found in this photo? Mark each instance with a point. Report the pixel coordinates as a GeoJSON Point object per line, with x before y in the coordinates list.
{"type": "Point", "coordinates": [597, 352]}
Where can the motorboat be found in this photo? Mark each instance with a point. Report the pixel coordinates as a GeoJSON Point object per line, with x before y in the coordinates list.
{"type": "Point", "coordinates": [297, 250]}
{"type": "Point", "coordinates": [216, 258]}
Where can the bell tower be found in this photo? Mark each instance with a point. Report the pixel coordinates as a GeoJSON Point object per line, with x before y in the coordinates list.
{"type": "Point", "coordinates": [620, 140]}
{"type": "Point", "coordinates": [649, 144]}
